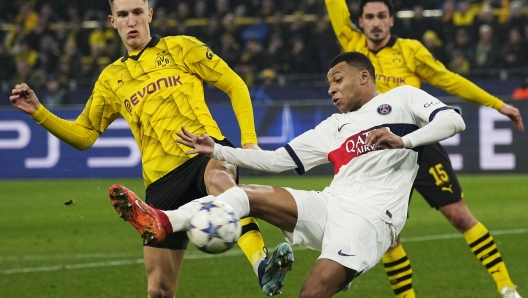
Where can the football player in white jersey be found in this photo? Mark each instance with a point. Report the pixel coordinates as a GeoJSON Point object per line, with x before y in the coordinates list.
{"type": "Point", "coordinates": [374, 145]}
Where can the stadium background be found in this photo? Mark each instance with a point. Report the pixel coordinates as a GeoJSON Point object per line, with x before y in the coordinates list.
{"type": "Point", "coordinates": [281, 49]}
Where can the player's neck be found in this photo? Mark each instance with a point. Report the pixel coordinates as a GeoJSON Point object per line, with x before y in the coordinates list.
{"type": "Point", "coordinates": [141, 46]}
{"type": "Point", "coordinates": [378, 45]}
{"type": "Point", "coordinates": [365, 98]}
{"type": "Point", "coordinates": [370, 94]}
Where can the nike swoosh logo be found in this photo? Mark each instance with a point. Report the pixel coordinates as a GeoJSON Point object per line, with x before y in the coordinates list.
{"type": "Point", "coordinates": [139, 206]}
{"type": "Point", "coordinates": [340, 127]}
{"type": "Point", "coordinates": [341, 253]}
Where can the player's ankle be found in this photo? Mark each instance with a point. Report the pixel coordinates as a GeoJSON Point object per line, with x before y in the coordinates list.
{"type": "Point", "coordinates": [165, 222]}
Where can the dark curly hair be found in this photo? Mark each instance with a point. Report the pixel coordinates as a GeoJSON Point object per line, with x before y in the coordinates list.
{"type": "Point", "coordinates": [389, 4]}
{"type": "Point", "coordinates": [357, 60]}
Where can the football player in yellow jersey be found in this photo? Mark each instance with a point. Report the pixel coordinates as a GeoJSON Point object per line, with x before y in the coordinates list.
{"type": "Point", "coordinates": [399, 61]}
{"type": "Point", "coordinates": [157, 87]}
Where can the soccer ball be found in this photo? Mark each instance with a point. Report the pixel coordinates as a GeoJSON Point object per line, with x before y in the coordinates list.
{"type": "Point", "coordinates": [214, 228]}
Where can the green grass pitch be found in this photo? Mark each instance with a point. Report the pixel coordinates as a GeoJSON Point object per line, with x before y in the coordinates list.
{"type": "Point", "coordinates": [51, 248]}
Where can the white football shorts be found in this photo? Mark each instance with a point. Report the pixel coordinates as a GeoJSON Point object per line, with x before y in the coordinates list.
{"type": "Point", "coordinates": [355, 241]}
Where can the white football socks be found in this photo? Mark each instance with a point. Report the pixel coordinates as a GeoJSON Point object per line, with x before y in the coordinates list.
{"type": "Point", "coordinates": [235, 197]}
{"type": "Point", "coordinates": [179, 218]}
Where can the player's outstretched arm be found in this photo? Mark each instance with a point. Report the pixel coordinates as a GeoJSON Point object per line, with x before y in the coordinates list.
{"type": "Point", "coordinates": [445, 124]}
{"type": "Point", "coordinates": [436, 74]}
{"type": "Point", "coordinates": [262, 160]}
{"type": "Point", "coordinates": [200, 60]}
{"type": "Point", "coordinates": [78, 136]}
{"type": "Point", "coordinates": [514, 115]}
{"type": "Point", "coordinates": [343, 27]}
{"type": "Point", "coordinates": [203, 144]}
{"type": "Point", "coordinates": [24, 99]}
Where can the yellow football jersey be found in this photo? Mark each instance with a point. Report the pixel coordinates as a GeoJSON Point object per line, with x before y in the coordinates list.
{"type": "Point", "coordinates": [404, 61]}
{"type": "Point", "coordinates": [157, 90]}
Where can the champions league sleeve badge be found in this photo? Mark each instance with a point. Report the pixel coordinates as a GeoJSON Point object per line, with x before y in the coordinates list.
{"type": "Point", "coordinates": [384, 109]}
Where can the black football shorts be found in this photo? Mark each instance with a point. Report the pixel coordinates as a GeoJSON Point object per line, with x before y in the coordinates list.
{"type": "Point", "coordinates": [180, 186]}
{"type": "Point", "coordinates": [436, 180]}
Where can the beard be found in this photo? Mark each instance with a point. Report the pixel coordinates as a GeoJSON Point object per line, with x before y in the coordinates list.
{"type": "Point", "coordinates": [377, 36]}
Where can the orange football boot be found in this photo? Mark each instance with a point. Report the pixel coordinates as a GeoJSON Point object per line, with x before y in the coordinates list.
{"type": "Point", "coordinates": [151, 223]}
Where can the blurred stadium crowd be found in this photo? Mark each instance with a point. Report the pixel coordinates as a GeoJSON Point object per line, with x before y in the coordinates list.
{"type": "Point", "coordinates": [62, 45]}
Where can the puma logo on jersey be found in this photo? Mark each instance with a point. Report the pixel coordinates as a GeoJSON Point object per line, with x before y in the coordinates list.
{"type": "Point", "coordinates": [449, 188]}
{"type": "Point", "coordinates": [121, 80]}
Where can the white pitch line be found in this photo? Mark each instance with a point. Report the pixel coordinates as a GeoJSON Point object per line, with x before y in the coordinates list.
{"type": "Point", "coordinates": [187, 256]}
{"type": "Point", "coordinates": [75, 266]}
{"type": "Point", "coordinates": [67, 256]}
{"type": "Point", "coordinates": [458, 235]}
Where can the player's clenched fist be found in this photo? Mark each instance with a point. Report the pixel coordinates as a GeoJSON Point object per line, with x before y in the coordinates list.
{"type": "Point", "coordinates": [385, 138]}
{"type": "Point", "coordinates": [24, 99]}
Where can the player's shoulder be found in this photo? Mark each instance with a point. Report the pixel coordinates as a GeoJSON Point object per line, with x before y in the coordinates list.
{"type": "Point", "coordinates": [335, 118]}
{"type": "Point", "coordinates": [182, 40]}
{"type": "Point", "coordinates": [327, 126]}
{"type": "Point", "coordinates": [408, 43]}
{"type": "Point", "coordinates": [403, 92]}
{"type": "Point", "coordinates": [331, 120]}
{"type": "Point", "coordinates": [113, 68]}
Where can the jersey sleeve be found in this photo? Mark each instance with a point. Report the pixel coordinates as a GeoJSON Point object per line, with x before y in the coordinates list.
{"type": "Point", "coordinates": [436, 74]}
{"type": "Point", "coordinates": [201, 61]}
{"type": "Point", "coordinates": [302, 153]}
{"type": "Point", "coordinates": [312, 147]}
{"type": "Point", "coordinates": [422, 105]}
{"type": "Point", "coordinates": [102, 108]}
{"type": "Point", "coordinates": [425, 109]}
{"type": "Point", "coordinates": [261, 160]}
{"type": "Point", "coordinates": [344, 29]}
{"type": "Point", "coordinates": [445, 124]}
{"type": "Point", "coordinates": [77, 136]}
{"type": "Point", "coordinates": [93, 121]}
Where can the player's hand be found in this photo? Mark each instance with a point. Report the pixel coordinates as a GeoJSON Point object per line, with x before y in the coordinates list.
{"type": "Point", "coordinates": [251, 146]}
{"type": "Point", "coordinates": [383, 137]}
{"type": "Point", "coordinates": [514, 115]}
{"type": "Point", "coordinates": [202, 144]}
{"type": "Point", "coordinates": [24, 99]}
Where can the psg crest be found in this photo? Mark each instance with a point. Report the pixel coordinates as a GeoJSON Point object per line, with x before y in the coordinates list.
{"type": "Point", "coordinates": [384, 109]}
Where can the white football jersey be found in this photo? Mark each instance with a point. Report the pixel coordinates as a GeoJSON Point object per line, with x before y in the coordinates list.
{"type": "Point", "coordinates": [367, 180]}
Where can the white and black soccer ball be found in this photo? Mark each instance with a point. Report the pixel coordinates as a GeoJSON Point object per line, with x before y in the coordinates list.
{"type": "Point", "coordinates": [214, 228]}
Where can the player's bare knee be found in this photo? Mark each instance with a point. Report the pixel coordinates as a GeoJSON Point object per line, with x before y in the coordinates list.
{"type": "Point", "coordinates": [160, 291]}
{"type": "Point", "coordinates": [160, 285]}
{"type": "Point", "coordinates": [219, 179]}
{"type": "Point", "coordinates": [219, 176]}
